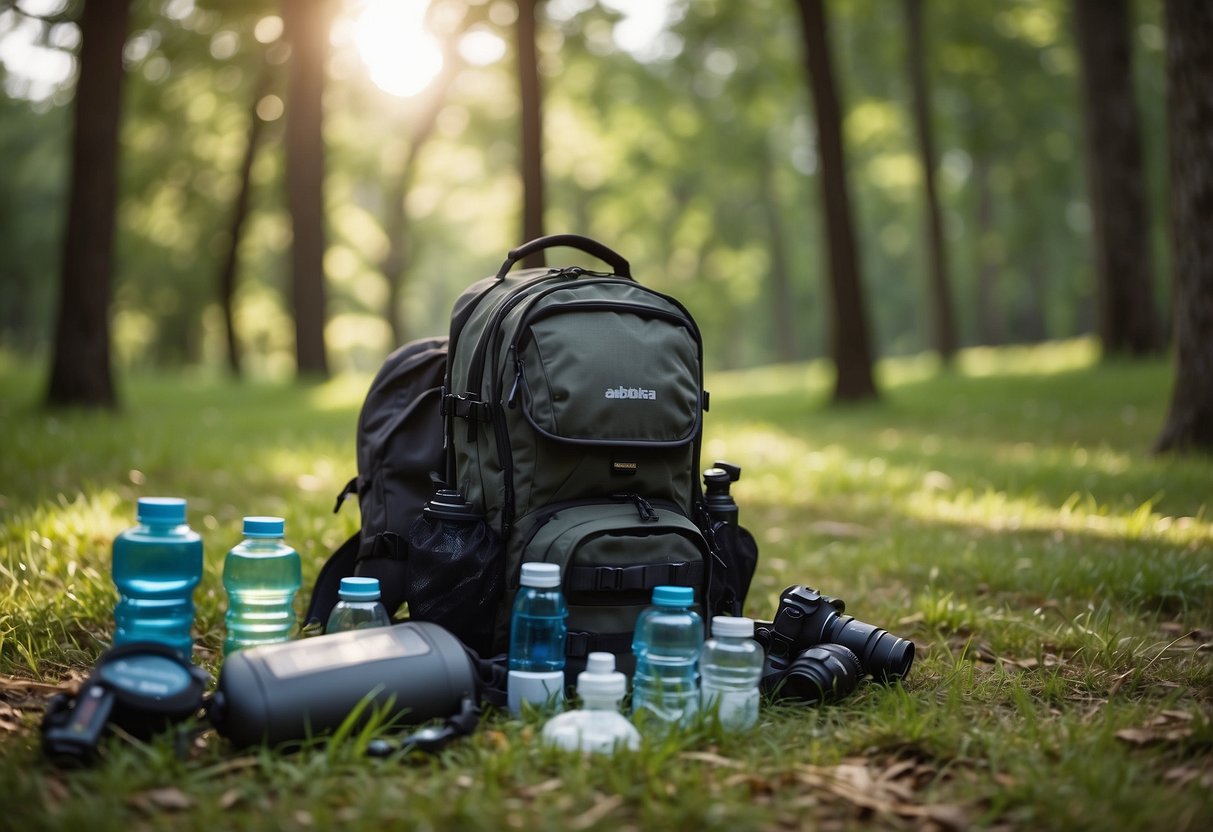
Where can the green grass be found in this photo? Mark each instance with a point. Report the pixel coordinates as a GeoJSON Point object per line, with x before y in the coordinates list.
{"type": "Point", "coordinates": [1056, 579]}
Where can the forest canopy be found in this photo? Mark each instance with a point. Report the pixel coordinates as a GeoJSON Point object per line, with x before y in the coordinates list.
{"type": "Point", "coordinates": [679, 132]}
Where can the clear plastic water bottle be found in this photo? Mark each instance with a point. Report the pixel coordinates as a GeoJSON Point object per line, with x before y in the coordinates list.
{"type": "Point", "coordinates": [261, 576]}
{"type": "Point", "coordinates": [597, 726]}
{"type": "Point", "coordinates": [359, 607]}
{"type": "Point", "coordinates": [667, 643]}
{"type": "Point", "coordinates": [731, 667]}
{"type": "Point", "coordinates": [538, 626]}
{"type": "Point", "coordinates": [156, 566]}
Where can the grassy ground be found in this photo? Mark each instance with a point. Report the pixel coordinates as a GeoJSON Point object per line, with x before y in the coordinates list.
{"type": "Point", "coordinates": [1057, 581]}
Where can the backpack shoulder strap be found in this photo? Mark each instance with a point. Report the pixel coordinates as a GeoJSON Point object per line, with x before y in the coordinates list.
{"type": "Point", "coordinates": [328, 582]}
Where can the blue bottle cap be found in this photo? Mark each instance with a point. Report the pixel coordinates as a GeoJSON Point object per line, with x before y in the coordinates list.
{"type": "Point", "coordinates": [264, 527]}
{"type": "Point", "coordinates": [673, 596]}
{"type": "Point", "coordinates": [161, 510]}
{"type": "Point", "coordinates": [359, 589]}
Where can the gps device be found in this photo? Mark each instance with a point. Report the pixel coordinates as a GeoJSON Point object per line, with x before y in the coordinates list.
{"type": "Point", "coordinates": [141, 687]}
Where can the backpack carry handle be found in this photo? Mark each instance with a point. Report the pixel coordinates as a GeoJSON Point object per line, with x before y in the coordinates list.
{"type": "Point", "coordinates": [592, 247]}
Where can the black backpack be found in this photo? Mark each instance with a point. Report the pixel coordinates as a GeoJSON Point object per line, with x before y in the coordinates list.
{"type": "Point", "coordinates": [561, 421]}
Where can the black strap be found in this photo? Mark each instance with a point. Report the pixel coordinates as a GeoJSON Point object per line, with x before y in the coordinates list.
{"type": "Point", "coordinates": [580, 644]}
{"type": "Point", "coordinates": [324, 594]}
{"type": "Point", "coordinates": [351, 487]}
{"type": "Point", "coordinates": [589, 246]}
{"type": "Point", "coordinates": [637, 577]}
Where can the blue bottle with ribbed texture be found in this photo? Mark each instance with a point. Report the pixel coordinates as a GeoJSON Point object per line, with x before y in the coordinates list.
{"type": "Point", "coordinates": [156, 566]}
{"type": "Point", "coordinates": [261, 576]}
{"type": "Point", "coordinates": [666, 644]}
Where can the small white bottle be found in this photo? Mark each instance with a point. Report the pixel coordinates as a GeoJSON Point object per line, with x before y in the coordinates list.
{"type": "Point", "coordinates": [598, 726]}
{"type": "Point", "coordinates": [359, 607]}
{"type": "Point", "coordinates": [731, 668]}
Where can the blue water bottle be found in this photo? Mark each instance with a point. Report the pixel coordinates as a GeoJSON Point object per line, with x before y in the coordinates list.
{"type": "Point", "coordinates": [667, 643]}
{"type": "Point", "coordinates": [156, 566]}
{"type": "Point", "coordinates": [538, 626]}
{"type": "Point", "coordinates": [358, 608]}
{"type": "Point", "coordinates": [261, 576]}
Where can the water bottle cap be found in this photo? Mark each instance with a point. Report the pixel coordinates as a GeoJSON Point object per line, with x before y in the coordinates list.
{"type": "Point", "coordinates": [264, 527]}
{"type": "Point", "coordinates": [542, 575]}
{"type": "Point", "coordinates": [600, 678]}
{"type": "Point", "coordinates": [673, 596]}
{"type": "Point", "coordinates": [730, 627]}
{"type": "Point", "coordinates": [359, 589]}
{"type": "Point", "coordinates": [161, 510]}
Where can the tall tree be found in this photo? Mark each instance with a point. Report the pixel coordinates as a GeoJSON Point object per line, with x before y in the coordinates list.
{"type": "Point", "coordinates": [849, 339]}
{"type": "Point", "coordinates": [1127, 321]}
{"type": "Point", "coordinates": [1189, 26]}
{"type": "Point", "coordinates": [400, 251]}
{"type": "Point", "coordinates": [227, 271]}
{"type": "Point", "coordinates": [307, 24]}
{"type": "Point", "coordinates": [80, 369]}
{"type": "Point", "coordinates": [532, 127]}
{"type": "Point", "coordinates": [943, 328]}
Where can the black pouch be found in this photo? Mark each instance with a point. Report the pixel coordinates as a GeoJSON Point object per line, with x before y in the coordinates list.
{"type": "Point", "coordinates": [456, 570]}
{"type": "Point", "coordinates": [738, 551]}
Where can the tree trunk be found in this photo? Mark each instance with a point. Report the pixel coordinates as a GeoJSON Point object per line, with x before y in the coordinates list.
{"type": "Point", "coordinates": [849, 341]}
{"type": "Point", "coordinates": [307, 24]}
{"type": "Point", "coordinates": [989, 306]}
{"type": "Point", "coordinates": [532, 129]}
{"type": "Point", "coordinates": [400, 253]}
{"type": "Point", "coordinates": [227, 273]}
{"type": "Point", "coordinates": [80, 368]}
{"type": "Point", "coordinates": [1127, 321]}
{"type": "Point", "coordinates": [943, 327]}
{"type": "Point", "coordinates": [1189, 25]}
{"type": "Point", "coordinates": [783, 301]}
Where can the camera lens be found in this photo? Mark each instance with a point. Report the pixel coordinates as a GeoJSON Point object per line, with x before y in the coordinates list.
{"type": "Point", "coordinates": [823, 673]}
{"type": "Point", "coordinates": [883, 655]}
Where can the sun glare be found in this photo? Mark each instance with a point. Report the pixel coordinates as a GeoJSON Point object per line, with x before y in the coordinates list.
{"type": "Point", "coordinates": [401, 57]}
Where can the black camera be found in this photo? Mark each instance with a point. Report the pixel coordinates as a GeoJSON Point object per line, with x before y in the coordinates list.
{"type": "Point", "coordinates": [817, 653]}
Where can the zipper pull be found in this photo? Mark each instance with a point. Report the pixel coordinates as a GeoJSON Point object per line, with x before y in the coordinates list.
{"type": "Point", "coordinates": [510, 400]}
{"type": "Point", "coordinates": [643, 507]}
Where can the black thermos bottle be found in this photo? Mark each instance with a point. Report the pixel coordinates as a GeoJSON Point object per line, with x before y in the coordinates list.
{"type": "Point", "coordinates": [720, 503]}
{"type": "Point", "coordinates": [281, 693]}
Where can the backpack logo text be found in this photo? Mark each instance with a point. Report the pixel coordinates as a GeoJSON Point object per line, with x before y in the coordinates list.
{"type": "Point", "coordinates": [630, 393]}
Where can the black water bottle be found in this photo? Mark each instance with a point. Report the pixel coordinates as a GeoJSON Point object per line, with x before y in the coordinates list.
{"type": "Point", "coordinates": [456, 569]}
{"type": "Point", "coordinates": [722, 508]}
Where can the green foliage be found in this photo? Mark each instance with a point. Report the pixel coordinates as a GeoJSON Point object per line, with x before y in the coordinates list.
{"type": "Point", "coordinates": [1056, 580]}
{"type": "Point", "coordinates": [679, 156]}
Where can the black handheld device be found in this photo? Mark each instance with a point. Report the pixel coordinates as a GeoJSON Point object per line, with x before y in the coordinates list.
{"type": "Point", "coordinates": [142, 688]}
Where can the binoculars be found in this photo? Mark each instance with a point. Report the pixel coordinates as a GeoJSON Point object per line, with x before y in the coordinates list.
{"type": "Point", "coordinates": [816, 653]}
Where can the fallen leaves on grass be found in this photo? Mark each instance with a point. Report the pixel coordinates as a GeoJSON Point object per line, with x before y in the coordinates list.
{"type": "Point", "coordinates": [10, 718]}
{"type": "Point", "coordinates": [597, 812]}
{"type": "Point", "coordinates": [1185, 775]}
{"type": "Point", "coordinates": [711, 759]}
{"type": "Point", "coordinates": [1167, 727]}
{"type": "Point", "coordinates": [170, 799]}
{"type": "Point", "coordinates": [891, 791]}
{"type": "Point", "coordinates": [1201, 639]}
{"type": "Point", "coordinates": [24, 693]}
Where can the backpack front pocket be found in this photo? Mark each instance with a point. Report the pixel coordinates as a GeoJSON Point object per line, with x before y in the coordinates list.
{"type": "Point", "coordinates": [611, 555]}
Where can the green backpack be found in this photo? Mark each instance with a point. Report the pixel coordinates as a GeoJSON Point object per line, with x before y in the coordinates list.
{"type": "Point", "coordinates": [572, 415]}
